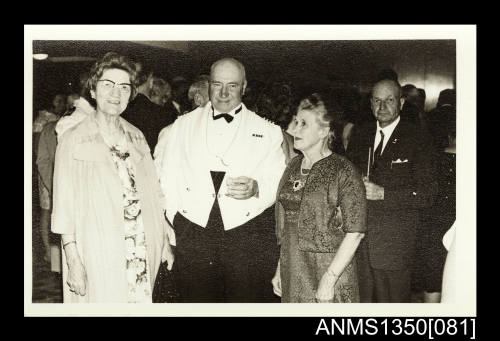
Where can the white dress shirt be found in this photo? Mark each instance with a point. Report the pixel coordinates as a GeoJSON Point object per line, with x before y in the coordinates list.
{"type": "Point", "coordinates": [220, 136]}
{"type": "Point", "coordinates": [388, 130]}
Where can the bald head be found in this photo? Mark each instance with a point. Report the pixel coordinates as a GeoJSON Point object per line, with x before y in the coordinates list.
{"type": "Point", "coordinates": [390, 85]}
{"type": "Point", "coordinates": [386, 101]}
{"type": "Point", "coordinates": [227, 84]}
{"type": "Point", "coordinates": [231, 63]}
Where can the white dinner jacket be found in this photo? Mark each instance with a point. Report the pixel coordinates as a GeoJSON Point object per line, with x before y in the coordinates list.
{"type": "Point", "coordinates": [182, 161]}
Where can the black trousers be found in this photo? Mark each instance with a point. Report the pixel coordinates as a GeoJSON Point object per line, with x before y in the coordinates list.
{"type": "Point", "coordinates": [213, 265]}
{"type": "Point", "coordinates": [381, 286]}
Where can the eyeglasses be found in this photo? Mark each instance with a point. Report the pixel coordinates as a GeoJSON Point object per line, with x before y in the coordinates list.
{"type": "Point", "coordinates": [125, 88]}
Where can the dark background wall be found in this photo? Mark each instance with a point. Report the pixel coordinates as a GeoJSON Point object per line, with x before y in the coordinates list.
{"type": "Point", "coordinates": [429, 64]}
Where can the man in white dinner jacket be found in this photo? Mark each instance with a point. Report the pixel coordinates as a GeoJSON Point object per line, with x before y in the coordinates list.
{"type": "Point", "coordinates": [219, 168]}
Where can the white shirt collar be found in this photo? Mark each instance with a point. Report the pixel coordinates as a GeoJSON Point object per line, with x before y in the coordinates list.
{"type": "Point", "coordinates": [238, 108]}
{"type": "Point", "coordinates": [177, 106]}
{"type": "Point", "coordinates": [388, 129]}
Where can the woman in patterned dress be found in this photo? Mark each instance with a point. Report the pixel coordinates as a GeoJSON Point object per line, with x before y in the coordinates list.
{"type": "Point", "coordinates": [321, 213]}
{"type": "Point", "coordinates": [107, 199]}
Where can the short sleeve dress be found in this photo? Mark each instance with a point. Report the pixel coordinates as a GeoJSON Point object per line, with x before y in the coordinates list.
{"type": "Point", "coordinates": [301, 271]}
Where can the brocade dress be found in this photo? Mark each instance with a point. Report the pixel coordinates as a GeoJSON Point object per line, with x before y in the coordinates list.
{"type": "Point", "coordinates": [301, 271]}
{"type": "Point", "coordinates": [137, 272]}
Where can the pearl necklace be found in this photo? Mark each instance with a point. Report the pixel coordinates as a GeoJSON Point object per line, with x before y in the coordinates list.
{"type": "Point", "coordinates": [299, 184]}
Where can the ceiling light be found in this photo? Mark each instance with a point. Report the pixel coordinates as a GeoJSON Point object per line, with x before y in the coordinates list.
{"type": "Point", "coordinates": [40, 56]}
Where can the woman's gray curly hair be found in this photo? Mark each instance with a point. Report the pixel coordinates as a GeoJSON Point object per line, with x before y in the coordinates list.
{"type": "Point", "coordinates": [329, 113]}
{"type": "Point", "coordinates": [110, 60]}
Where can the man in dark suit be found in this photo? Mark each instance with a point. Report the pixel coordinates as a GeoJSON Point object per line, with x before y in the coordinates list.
{"type": "Point", "coordinates": [178, 103]}
{"type": "Point", "coordinates": [149, 117]}
{"type": "Point", "coordinates": [439, 117]}
{"type": "Point", "coordinates": [400, 180]}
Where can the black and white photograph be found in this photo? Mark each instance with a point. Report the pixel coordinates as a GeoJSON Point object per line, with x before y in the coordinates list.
{"type": "Point", "coordinates": [255, 165]}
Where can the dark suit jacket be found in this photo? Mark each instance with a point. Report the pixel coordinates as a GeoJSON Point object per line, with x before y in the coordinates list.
{"type": "Point", "coordinates": [438, 120]}
{"type": "Point", "coordinates": [171, 109]}
{"type": "Point", "coordinates": [46, 154]}
{"type": "Point", "coordinates": [407, 172]}
{"type": "Point", "coordinates": [149, 117]}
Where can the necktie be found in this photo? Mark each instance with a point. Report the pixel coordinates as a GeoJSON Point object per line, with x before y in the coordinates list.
{"type": "Point", "coordinates": [378, 151]}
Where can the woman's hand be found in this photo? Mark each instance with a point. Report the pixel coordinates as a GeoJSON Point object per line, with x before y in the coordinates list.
{"type": "Point", "coordinates": [276, 281]}
{"type": "Point", "coordinates": [167, 255]}
{"type": "Point", "coordinates": [77, 278]}
{"type": "Point", "coordinates": [326, 288]}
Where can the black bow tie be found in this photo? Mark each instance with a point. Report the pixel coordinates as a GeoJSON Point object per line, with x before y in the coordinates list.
{"type": "Point", "coordinates": [227, 117]}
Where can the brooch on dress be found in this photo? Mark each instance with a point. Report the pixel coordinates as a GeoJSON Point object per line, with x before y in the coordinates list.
{"type": "Point", "coordinates": [297, 185]}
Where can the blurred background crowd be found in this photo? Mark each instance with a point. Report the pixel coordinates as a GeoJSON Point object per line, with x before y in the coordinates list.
{"type": "Point", "coordinates": [174, 77]}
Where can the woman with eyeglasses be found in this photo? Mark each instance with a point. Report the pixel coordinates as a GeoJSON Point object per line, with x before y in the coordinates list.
{"type": "Point", "coordinates": [107, 199]}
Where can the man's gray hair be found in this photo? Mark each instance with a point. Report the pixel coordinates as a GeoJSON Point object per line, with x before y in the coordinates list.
{"type": "Point", "coordinates": [200, 85]}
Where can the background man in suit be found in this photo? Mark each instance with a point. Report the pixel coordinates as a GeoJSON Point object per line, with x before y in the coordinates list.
{"type": "Point", "coordinates": [401, 182]}
{"type": "Point", "coordinates": [219, 168]}
{"type": "Point", "coordinates": [178, 103]}
{"type": "Point", "coordinates": [149, 117]}
{"type": "Point", "coordinates": [198, 92]}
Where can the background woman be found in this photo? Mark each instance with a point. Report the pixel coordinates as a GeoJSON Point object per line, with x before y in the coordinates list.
{"type": "Point", "coordinates": [45, 165]}
{"type": "Point", "coordinates": [44, 117]}
{"type": "Point", "coordinates": [107, 200]}
{"type": "Point", "coordinates": [321, 213]}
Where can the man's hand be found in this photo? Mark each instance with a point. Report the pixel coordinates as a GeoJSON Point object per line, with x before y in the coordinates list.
{"type": "Point", "coordinates": [373, 191]}
{"type": "Point", "coordinates": [242, 187]}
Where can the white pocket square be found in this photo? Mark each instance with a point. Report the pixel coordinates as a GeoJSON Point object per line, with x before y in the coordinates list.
{"type": "Point", "coordinates": [400, 161]}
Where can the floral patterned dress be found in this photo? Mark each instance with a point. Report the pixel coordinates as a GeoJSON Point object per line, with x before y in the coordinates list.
{"type": "Point", "coordinates": [138, 276]}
